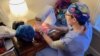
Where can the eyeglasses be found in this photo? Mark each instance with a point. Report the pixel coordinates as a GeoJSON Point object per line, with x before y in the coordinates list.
{"type": "Point", "coordinates": [69, 15]}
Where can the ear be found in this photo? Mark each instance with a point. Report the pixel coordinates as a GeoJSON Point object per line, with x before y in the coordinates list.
{"type": "Point", "coordinates": [74, 20]}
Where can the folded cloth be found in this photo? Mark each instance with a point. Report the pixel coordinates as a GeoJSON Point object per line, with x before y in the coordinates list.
{"type": "Point", "coordinates": [6, 32]}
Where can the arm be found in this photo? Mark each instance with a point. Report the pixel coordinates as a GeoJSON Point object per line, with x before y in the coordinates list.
{"type": "Point", "coordinates": [54, 44]}
{"type": "Point", "coordinates": [6, 32]}
{"type": "Point", "coordinates": [65, 29]}
{"type": "Point", "coordinates": [46, 14]}
{"type": "Point", "coordinates": [61, 28]}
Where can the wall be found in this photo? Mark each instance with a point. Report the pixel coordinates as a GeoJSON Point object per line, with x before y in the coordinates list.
{"type": "Point", "coordinates": [3, 16]}
{"type": "Point", "coordinates": [35, 7]}
{"type": "Point", "coordinates": [94, 8]}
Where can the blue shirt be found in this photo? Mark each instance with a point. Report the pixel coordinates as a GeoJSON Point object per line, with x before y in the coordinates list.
{"type": "Point", "coordinates": [75, 44]}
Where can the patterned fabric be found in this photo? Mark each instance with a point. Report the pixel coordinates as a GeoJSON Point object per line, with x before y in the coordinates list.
{"type": "Point", "coordinates": [60, 9]}
{"type": "Point", "coordinates": [25, 32]}
{"type": "Point", "coordinates": [80, 11]}
{"type": "Point", "coordinates": [61, 21]}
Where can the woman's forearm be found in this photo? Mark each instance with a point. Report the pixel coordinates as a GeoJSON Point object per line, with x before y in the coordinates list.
{"type": "Point", "coordinates": [47, 39]}
{"type": "Point", "coordinates": [65, 29]}
{"type": "Point", "coordinates": [54, 44]}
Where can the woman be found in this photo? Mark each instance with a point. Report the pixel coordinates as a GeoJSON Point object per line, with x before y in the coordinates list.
{"type": "Point", "coordinates": [56, 13]}
{"type": "Point", "coordinates": [60, 9]}
{"type": "Point", "coordinates": [77, 40]}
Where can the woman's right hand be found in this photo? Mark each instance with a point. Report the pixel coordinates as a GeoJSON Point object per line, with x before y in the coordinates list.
{"type": "Point", "coordinates": [37, 26]}
{"type": "Point", "coordinates": [49, 26]}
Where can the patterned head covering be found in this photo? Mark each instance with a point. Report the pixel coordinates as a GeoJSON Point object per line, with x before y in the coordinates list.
{"type": "Point", "coordinates": [80, 11]}
{"type": "Point", "coordinates": [25, 32]}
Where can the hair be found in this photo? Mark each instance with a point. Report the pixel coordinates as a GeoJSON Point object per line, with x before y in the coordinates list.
{"type": "Point", "coordinates": [17, 24]}
{"type": "Point", "coordinates": [2, 24]}
{"type": "Point", "coordinates": [61, 4]}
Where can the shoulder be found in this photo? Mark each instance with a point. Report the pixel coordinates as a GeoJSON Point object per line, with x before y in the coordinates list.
{"type": "Point", "coordinates": [69, 37]}
{"type": "Point", "coordinates": [89, 30]}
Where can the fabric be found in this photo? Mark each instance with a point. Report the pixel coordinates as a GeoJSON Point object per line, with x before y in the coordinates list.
{"type": "Point", "coordinates": [47, 15]}
{"type": "Point", "coordinates": [57, 44]}
{"type": "Point", "coordinates": [74, 44]}
{"type": "Point", "coordinates": [25, 32]}
{"type": "Point", "coordinates": [60, 9]}
{"type": "Point", "coordinates": [61, 21]}
{"type": "Point", "coordinates": [6, 32]}
{"type": "Point", "coordinates": [47, 52]}
{"type": "Point", "coordinates": [80, 11]}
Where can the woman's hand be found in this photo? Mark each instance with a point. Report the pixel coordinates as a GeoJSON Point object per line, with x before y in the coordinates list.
{"type": "Point", "coordinates": [46, 37]}
{"type": "Point", "coordinates": [37, 26]}
{"type": "Point", "coordinates": [48, 26]}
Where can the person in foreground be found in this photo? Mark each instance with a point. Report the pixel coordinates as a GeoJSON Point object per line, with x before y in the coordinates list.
{"type": "Point", "coordinates": [77, 40]}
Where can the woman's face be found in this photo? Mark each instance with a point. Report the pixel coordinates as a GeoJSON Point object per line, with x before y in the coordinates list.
{"type": "Point", "coordinates": [68, 18]}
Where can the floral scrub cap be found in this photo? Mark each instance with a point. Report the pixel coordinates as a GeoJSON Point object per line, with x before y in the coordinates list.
{"type": "Point", "coordinates": [80, 11]}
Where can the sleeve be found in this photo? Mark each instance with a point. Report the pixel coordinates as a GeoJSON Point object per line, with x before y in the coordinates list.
{"type": "Point", "coordinates": [47, 15]}
{"type": "Point", "coordinates": [60, 44]}
{"type": "Point", "coordinates": [6, 32]}
{"type": "Point", "coordinates": [57, 44]}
